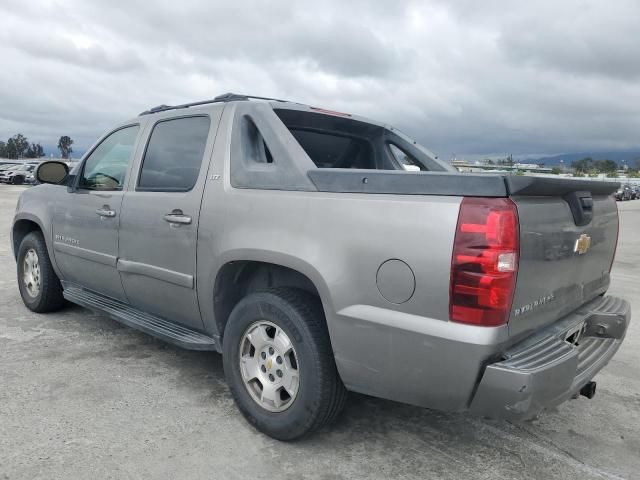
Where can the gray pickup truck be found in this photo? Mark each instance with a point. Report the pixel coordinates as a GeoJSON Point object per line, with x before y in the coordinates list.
{"type": "Point", "coordinates": [320, 253]}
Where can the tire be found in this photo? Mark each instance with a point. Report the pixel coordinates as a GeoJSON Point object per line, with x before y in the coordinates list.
{"type": "Point", "coordinates": [18, 180]}
{"type": "Point", "coordinates": [319, 396]}
{"type": "Point", "coordinates": [47, 297]}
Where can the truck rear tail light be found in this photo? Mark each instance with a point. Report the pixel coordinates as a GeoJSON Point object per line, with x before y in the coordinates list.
{"type": "Point", "coordinates": [484, 263]}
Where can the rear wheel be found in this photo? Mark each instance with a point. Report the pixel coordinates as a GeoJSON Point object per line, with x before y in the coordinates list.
{"type": "Point", "coordinates": [39, 285]}
{"type": "Point", "coordinates": [279, 364]}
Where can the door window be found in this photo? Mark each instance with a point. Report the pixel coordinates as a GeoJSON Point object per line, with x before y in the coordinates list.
{"type": "Point", "coordinates": [106, 167]}
{"type": "Point", "coordinates": [174, 155]}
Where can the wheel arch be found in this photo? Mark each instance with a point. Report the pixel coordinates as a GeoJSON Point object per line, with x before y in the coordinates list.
{"type": "Point", "coordinates": [21, 228]}
{"type": "Point", "coordinates": [237, 278]}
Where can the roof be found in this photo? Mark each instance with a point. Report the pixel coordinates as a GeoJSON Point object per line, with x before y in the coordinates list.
{"type": "Point", "coordinates": [224, 98]}
{"type": "Point", "coordinates": [276, 103]}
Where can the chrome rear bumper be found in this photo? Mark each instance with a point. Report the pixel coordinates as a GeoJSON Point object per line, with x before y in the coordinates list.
{"type": "Point", "coordinates": [547, 368]}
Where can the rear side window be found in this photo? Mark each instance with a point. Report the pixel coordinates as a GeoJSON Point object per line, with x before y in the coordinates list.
{"type": "Point", "coordinates": [406, 160]}
{"type": "Point", "coordinates": [174, 154]}
{"type": "Point", "coordinates": [256, 148]}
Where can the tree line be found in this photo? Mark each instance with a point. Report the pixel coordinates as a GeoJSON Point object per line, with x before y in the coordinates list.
{"type": "Point", "coordinates": [18, 146]}
{"type": "Point", "coordinates": [589, 165]}
{"type": "Point", "coordinates": [506, 162]}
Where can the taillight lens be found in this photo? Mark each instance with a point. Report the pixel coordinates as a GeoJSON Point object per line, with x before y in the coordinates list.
{"type": "Point", "coordinates": [484, 264]}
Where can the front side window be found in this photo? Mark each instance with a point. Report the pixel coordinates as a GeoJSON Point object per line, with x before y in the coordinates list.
{"type": "Point", "coordinates": [106, 167]}
{"type": "Point", "coordinates": [174, 155]}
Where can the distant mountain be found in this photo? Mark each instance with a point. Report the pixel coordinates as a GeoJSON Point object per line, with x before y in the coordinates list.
{"type": "Point", "coordinates": [629, 158]}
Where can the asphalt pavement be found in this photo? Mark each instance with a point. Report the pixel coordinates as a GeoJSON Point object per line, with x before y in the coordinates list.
{"type": "Point", "coordinates": [82, 396]}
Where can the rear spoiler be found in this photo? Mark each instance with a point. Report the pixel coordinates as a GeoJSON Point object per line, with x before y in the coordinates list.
{"type": "Point", "coordinates": [545, 186]}
{"type": "Point", "coordinates": [446, 183]}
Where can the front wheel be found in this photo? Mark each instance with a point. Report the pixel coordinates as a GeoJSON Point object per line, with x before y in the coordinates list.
{"type": "Point", "coordinates": [279, 363]}
{"type": "Point", "coordinates": [39, 285]}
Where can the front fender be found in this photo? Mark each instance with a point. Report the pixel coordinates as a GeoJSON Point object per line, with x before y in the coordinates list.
{"type": "Point", "coordinates": [35, 205]}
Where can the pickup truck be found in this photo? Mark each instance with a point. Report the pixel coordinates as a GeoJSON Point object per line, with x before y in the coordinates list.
{"type": "Point", "coordinates": [320, 252]}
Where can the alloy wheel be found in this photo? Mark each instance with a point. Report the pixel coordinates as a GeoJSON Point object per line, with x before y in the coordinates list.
{"type": "Point", "coordinates": [269, 366]}
{"type": "Point", "coordinates": [31, 273]}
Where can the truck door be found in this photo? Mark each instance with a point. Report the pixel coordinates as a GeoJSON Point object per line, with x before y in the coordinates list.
{"type": "Point", "coordinates": [160, 213]}
{"type": "Point", "coordinates": [85, 220]}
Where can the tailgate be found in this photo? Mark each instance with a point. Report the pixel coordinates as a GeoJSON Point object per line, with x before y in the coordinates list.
{"type": "Point", "coordinates": [568, 235]}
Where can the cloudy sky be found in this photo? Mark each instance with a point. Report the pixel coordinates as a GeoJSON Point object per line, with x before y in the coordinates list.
{"type": "Point", "coordinates": [463, 77]}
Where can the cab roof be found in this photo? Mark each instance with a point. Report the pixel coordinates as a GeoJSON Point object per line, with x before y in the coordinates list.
{"type": "Point", "coordinates": [275, 103]}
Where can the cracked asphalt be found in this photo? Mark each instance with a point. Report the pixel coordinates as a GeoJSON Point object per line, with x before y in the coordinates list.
{"type": "Point", "coordinates": [82, 396]}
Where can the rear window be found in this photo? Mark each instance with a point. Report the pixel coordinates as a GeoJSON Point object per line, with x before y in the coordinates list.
{"type": "Point", "coordinates": [339, 141]}
{"type": "Point", "coordinates": [329, 150]}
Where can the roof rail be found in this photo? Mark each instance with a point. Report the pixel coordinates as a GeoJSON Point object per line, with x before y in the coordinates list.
{"type": "Point", "coordinates": [225, 97]}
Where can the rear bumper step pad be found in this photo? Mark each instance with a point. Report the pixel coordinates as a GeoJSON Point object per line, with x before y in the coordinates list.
{"type": "Point", "coordinates": [547, 370]}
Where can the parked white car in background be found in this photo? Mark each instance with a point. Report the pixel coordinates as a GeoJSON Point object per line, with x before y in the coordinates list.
{"type": "Point", "coordinates": [16, 175]}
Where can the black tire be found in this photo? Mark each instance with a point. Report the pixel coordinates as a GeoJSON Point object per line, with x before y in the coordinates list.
{"type": "Point", "coordinates": [321, 395]}
{"type": "Point", "coordinates": [49, 297]}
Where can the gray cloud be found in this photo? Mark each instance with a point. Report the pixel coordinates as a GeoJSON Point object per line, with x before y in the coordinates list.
{"type": "Point", "coordinates": [52, 48]}
{"type": "Point", "coordinates": [596, 41]}
{"type": "Point", "coordinates": [462, 78]}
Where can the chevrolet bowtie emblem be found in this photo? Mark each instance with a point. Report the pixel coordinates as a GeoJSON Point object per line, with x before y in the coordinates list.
{"type": "Point", "coordinates": [582, 244]}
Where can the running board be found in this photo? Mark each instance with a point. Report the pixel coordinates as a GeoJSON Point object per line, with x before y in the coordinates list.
{"type": "Point", "coordinates": [173, 333]}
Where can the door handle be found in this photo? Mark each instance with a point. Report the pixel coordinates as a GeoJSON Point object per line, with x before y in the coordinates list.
{"type": "Point", "coordinates": [176, 217]}
{"type": "Point", "coordinates": [106, 211]}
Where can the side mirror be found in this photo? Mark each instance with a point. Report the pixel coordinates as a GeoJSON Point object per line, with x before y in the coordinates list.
{"type": "Point", "coordinates": [52, 172]}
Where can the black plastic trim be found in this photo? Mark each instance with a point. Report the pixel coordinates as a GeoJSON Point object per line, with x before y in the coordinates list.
{"type": "Point", "coordinates": [407, 183]}
{"type": "Point", "coordinates": [581, 205]}
{"type": "Point", "coordinates": [455, 184]}
{"type": "Point", "coordinates": [544, 186]}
